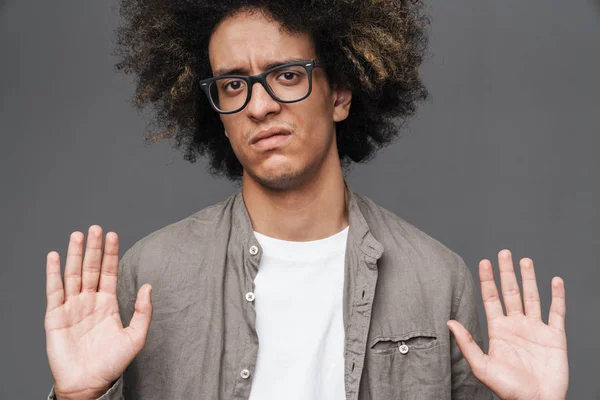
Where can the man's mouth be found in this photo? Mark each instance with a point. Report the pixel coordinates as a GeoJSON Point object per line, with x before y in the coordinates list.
{"type": "Point", "coordinates": [270, 138]}
{"type": "Point", "coordinates": [269, 133]}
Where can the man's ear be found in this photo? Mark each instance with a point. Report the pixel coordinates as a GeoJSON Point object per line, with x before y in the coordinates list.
{"type": "Point", "coordinates": [342, 99]}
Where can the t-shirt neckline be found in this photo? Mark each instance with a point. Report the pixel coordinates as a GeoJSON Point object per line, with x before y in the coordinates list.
{"type": "Point", "coordinates": [285, 249]}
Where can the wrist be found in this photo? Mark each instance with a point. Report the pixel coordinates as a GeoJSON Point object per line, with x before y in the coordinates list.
{"type": "Point", "coordinates": [87, 394]}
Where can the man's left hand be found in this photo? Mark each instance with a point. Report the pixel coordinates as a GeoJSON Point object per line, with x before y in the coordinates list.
{"type": "Point", "coordinates": [527, 359]}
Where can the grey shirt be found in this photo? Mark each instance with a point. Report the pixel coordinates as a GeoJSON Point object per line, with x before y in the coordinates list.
{"type": "Point", "coordinates": [400, 288]}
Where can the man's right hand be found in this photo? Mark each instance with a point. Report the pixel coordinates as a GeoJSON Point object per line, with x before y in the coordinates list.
{"type": "Point", "coordinates": [87, 347]}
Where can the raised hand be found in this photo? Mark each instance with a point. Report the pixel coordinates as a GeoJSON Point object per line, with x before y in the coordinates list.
{"type": "Point", "coordinates": [527, 359]}
{"type": "Point", "coordinates": [87, 346]}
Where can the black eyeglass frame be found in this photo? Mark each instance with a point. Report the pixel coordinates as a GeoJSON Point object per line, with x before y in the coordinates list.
{"type": "Point", "coordinates": [308, 65]}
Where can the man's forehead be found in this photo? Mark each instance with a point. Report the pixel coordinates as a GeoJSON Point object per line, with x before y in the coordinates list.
{"type": "Point", "coordinates": [250, 25]}
{"type": "Point", "coordinates": [242, 68]}
{"type": "Point", "coordinates": [243, 41]}
{"type": "Point", "coordinates": [261, 58]}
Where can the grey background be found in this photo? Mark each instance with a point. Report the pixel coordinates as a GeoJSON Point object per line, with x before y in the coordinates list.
{"type": "Point", "coordinates": [503, 155]}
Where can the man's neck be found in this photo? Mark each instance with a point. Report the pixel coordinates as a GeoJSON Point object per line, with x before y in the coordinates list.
{"type": "Point", "coordinates": [314, 211]}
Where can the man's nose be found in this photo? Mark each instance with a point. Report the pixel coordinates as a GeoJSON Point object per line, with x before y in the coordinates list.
{"type": "Point", "coordinates": [261, 103]}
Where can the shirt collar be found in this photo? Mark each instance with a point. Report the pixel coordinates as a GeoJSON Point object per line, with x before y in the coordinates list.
{"type": "Point", "coordinates": [359, 231]}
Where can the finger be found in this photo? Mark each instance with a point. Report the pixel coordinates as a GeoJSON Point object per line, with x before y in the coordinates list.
{"type": "Point", "coordinates": [508, 282]}
{"type": "Point", "coordinates": [110, 264]}
{"type": "Point", "coordinates": [73, 265]}
{"type": "Point", "coordinates": [92, 260]}
{"type": "Point", "coordinates": [531, 295]}
{"type": "Point", "coordinates": [558, 308]}
{"type": "Point", "coordinates": [55, 294]}
{"type": "Point", "coordinates": [140, 322]}
{"type": "Point", "coordinates": [489, 292]}
{"type": "Point", "coordinates": [469, 348]}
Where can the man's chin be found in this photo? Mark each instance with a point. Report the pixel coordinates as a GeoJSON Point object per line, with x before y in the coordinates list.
{"type": "Point", "coordinates": [279, 179]}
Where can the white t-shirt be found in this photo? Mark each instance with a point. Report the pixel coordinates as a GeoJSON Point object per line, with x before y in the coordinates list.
{"type": "Point", "coordinates": [299, 319]}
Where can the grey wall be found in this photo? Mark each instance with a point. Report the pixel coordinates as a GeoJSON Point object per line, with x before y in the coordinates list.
{"type": "Point", "coordinates": [503, 155]}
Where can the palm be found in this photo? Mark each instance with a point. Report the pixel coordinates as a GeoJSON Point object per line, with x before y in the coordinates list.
{"type": "Point", "coordinates": [527, 358]}
{"type": "Point", "coordinates": [523, 351]}
{"type": "Point", "coordinates": [87, 332]}
{"type": "Point", "coordinates": [87, 346]}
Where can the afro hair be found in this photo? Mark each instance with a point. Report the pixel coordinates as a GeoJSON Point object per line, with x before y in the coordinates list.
{"type": "Point", "coordinates": [372, 47]}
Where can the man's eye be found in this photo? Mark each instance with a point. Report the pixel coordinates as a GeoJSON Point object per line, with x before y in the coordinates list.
{"type": "Point", "coordinates": [288, 76]}
{"type": "Point", "coordinates": [233, 85]}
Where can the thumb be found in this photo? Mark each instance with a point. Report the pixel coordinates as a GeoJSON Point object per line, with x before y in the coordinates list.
{"type": "Point", "coordinates": [469, 348]}
{"type": "Point", "coordinates": [140, 322]}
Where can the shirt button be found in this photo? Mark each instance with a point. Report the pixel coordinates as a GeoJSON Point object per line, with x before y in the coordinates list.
{"type": "Point", "coordinates": [403, 348]}
{"type": "Point", "coordinates": [253, 250]}
{"type": "Point", "coordinates": [245, 374]}
{"type": "Point", "coordinates": [250, 296]}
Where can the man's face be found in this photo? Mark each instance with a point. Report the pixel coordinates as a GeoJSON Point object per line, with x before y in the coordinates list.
{"type": "Point", "coordinates": [248, 43]}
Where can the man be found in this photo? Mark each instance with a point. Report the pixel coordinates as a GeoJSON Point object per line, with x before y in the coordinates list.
{"type": "Point", "coordinates": [297, 287]}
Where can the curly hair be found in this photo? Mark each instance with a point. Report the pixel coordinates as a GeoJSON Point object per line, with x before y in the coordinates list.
{"type": "Point", "coordinates": [372, 47]}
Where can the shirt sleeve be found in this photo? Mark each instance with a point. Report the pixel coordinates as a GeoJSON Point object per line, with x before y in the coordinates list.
{"type": "Point", "coordinates": [114, 393]}
{"type": "Point", "coordinates": [464, 383]}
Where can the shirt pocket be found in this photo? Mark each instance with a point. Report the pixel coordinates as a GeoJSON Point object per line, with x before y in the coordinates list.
{"type": "Point", "coordinates": [410, 365]}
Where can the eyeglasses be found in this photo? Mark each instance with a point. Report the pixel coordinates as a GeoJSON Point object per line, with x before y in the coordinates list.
{"type": "Point", "coordinates": [287, 83]}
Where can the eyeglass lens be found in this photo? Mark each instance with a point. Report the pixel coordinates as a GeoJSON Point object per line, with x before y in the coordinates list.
{"type": "Point", "coordinates": [287, 83]}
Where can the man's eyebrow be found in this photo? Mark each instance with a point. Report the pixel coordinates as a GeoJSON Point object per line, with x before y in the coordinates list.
{"type": "Point", "coordinates": [244, 71]}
